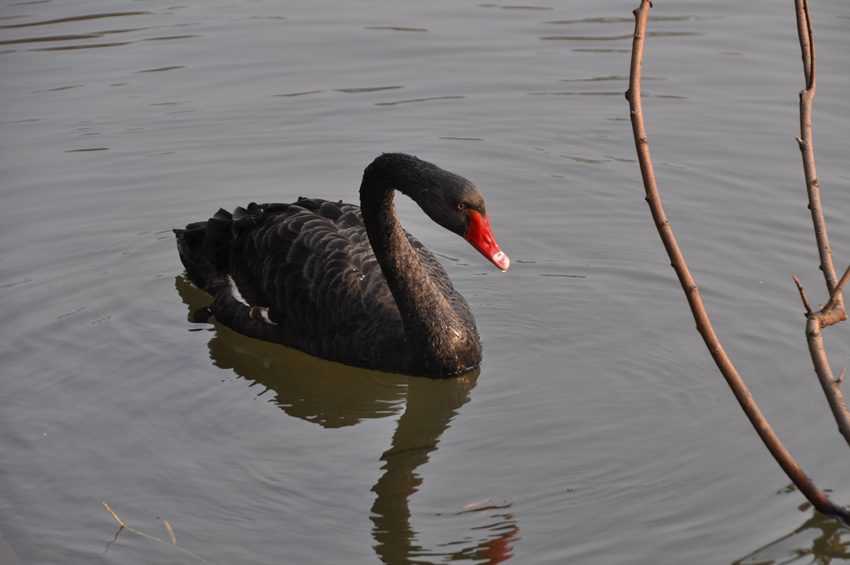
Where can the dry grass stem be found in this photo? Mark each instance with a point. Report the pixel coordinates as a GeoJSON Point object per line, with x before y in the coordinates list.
{"type": "Point", "coordinates": [154, 538]}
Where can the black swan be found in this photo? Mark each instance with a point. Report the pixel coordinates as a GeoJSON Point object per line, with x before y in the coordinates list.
{"type": "Point", "coordinates": [347, 283]}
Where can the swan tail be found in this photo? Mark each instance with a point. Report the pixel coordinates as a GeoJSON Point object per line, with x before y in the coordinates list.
{"type": "Point", "coordinates": [203, 248]}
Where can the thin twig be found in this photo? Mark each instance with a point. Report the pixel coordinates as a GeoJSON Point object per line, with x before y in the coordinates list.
{"type": "Point", "coordinates": [807, 42]}
{"type": "Point", "coordinates": [739, 389]}
{"type": "Point", "coordinates": [809, 310]}
{"type": "Point", "coordinates": [836, 292]}
{"type": "Point", "coordinates": [807, 96]}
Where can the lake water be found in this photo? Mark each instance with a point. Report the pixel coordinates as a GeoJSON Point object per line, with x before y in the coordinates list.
{"type": "Point", "coordinates": [597, 429]}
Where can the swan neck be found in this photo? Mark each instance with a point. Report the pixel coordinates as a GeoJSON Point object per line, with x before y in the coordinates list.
{"type": "Point", "coordinates": [433, 329]}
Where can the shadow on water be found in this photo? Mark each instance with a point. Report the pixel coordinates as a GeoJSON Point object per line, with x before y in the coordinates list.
{"type": "Point", "coordinates": [333, 396]}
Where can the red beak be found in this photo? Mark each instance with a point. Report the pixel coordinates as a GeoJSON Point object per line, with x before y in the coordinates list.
{"type": "Point", "coordinates": [480, 236]}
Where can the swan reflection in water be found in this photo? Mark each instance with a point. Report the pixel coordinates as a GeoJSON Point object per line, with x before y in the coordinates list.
{"type": "Point", "coordinates": [334, 396]}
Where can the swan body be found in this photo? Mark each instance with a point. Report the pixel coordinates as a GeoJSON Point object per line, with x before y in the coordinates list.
{"type": "Point", "coordinates": [344, 282]}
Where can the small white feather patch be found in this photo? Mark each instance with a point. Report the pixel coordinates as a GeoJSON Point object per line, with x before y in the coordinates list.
{"type": "Point", "coordinates": [257, 312]}
{"type": "Point", "coordinates": [234, 290]}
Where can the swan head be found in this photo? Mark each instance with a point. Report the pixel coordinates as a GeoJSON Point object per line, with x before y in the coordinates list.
{"type": "Point", "coordinates": [463, 212]}
{"type": "Point", "coordinates": [456, 204]}
{"type": "Point", "coordinates": [448, 199]}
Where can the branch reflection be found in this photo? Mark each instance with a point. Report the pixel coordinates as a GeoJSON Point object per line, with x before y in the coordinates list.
{"type": "Point", "coordinates": [333, 396]}
{"type": "Point", "coordinates": [820, 540]}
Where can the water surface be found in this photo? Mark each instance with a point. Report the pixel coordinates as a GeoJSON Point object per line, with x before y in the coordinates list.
{"type": "Point", "coordinates": [597, 429]}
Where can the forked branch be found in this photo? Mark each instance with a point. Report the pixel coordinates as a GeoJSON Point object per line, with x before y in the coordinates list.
{"type": "Point", "coordinates": [742, 394]}
{"type": "Point", "coordinates": [833, 312]}
{"type": "Point", "coordinates": [815, 321]}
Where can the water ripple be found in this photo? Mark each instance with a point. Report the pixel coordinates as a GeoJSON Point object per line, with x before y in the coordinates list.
{"type": "Point", "coordinates": [418, 100]}
{"type": "Point", "coordinates": [52, 38]}
{"type": "Point", "coordinates": [76, 19]}
{"type": "Point", "coordinates": [90, 46]}
{"type": "Point", "coordinates": [395, 28]}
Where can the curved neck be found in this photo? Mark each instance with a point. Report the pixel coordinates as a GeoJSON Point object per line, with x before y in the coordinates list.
{"type": "Point", "coordinates": [439, 341]}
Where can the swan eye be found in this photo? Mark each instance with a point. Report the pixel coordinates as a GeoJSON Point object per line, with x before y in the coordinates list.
{"type": "Point", "coordinates": [461, 206]}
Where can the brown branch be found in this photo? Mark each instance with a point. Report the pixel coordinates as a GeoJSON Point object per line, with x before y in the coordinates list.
{"type": "Point", "coordinates": [803, 295]}
{"type": "Point", "coordinates": [815, 321]}
{"type": "Point", "coordinates": [835, 299]}
{"type": "Point", "coordinates": [833, 312]}
{"type": "Point", "coordinates": [739, 389]}
{"type": "Point", "coordinates": [829, 383]}
{"type": "Point", "coordinates": [807, 96]}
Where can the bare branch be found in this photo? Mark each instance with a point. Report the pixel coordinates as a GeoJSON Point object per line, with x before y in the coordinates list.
{"type": "Point", "coordinates": [807, 42]}
{"type": "Point", "coordinates": [835, 299]}
{"type": "Point", "coordinates": [833, 312]}
{"type": "Point", "coordinates": [742, 394]}
{"type": "Point", "coordinates": [829, 384]}
{"type": "Point", "coordinates": [807, 47]}
{"type": "Point", "coordinates": [828, 315]}
{"type": "Point", "coordinates": [803, 296]}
